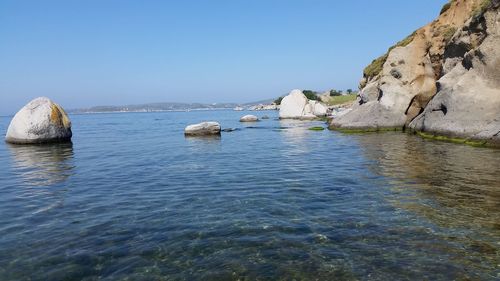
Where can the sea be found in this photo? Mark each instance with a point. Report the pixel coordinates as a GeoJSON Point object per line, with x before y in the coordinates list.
{"type": "Point", "coordinates": [132, 198]}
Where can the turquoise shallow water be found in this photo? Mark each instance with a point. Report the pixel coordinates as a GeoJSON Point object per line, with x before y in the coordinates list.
{"type": "Point", "coordinates": [132, 199]}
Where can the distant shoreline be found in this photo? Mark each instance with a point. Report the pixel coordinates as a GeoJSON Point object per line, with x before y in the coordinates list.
{"type": "Point", "coordinates": [147, 111]}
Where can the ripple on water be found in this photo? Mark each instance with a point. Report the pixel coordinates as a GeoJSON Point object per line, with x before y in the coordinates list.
{"type": "Point", "coordinates": [133, 199]}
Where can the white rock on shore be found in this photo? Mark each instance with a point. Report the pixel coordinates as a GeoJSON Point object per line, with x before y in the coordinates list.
{"type": "Point", "coordinates": [292, 105]}
{"type": "Point", "coordinates": [203, 129]}
{"type": "Point", "coordinates": [296, 106]}
{"type": "Point", "coordinates": [40, 121]}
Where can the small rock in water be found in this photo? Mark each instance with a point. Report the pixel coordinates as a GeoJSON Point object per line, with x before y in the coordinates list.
{"type": "Point", "coordinates": [320, 238]}
{"type": "Point", "coordinates": [265, 117]}
{"type": "Point", "coordinates": [203, 129]}
{"type": "Point", "coordinates": [40, 121]}
{"type": "Point", "coordinates": [249, 118]}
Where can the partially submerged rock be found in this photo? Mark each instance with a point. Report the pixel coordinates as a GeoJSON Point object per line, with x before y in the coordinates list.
{"type": "Point", "coordinates": [296, 106]}
{"type": "Point", "coordinates": [249, 118]}
{"type": "Point", "coordinates": [203, 129]}
{"type": "Point", "coordinates": [40, 121]}
{"type": "Point", "coordinates": [317, 128]}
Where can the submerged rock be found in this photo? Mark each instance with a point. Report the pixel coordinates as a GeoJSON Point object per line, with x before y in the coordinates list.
{"type": "Point", "coordinates": [249, 118]}
{"type": "Point", "coordinates": [203, 129]}
{"type": "Point", "coordinates": [40, 121]}
{"type": "Point", "coordinates": [316, 129]}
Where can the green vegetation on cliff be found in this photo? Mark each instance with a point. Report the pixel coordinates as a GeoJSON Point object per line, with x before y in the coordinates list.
{"type": "Point", "coordinates": [311, 95]}
{"type": "Point", "coordinates": [445, 8]}
{"type": "Point", "coordinates": [481, 8]}
{"type": "Point", "coordinates": [377, 64]}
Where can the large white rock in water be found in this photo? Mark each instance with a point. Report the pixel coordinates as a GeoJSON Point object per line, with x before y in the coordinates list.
{"type": "Point", "coordinates": [296, 106]}
{"type": "Point", "coordinates": [203, 129]}
{"type": "Point", "coordinates": [292, 106]}
{"type": "Point", "coordinates": [249, 118]}
{"type": "Point", "coordinates": [40, 121]}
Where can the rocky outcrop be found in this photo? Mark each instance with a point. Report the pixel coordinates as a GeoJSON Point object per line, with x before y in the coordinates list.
{"type": "Point", "coordinates": [40, 121]}
{"type": "Point", "coordinates": [467, 104]}
{"type": "Point", "coordinates": [203, 129]}
{"type": "Point", "coordinates": [446, 73]}
{"type": "Point", "coordinates": [249, 118]}
{"type": "Point", "coordinates": [296, 106]}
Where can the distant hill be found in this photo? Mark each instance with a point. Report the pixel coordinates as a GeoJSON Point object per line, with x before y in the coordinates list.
{"type": "Point", "coordinates": [163, 106]}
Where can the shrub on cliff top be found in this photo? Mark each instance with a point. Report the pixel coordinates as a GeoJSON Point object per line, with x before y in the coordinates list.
{"type": "Point", "coordinates": [375, 67]}
{"type": "Point", "coordinates": [278, 101]}
{"type": "Point", "coordinates": [445, 8]}
{"type": "Point", "coordinates": [310, 94]}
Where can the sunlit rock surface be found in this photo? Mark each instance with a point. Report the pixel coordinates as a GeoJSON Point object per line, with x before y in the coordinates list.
{"type": "Point", "coordinates": [40, 121]}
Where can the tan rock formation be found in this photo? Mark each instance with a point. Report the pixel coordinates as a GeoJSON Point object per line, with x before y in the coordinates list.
{"type": "Point", "coordinates": [398, 86]}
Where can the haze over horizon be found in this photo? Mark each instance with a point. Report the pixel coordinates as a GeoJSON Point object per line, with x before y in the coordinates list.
{"type": "Point", "coordinates": [87, 53]}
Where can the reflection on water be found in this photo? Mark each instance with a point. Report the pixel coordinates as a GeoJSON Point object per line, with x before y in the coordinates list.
{"type": "Point", "coordinates": [454, 186]}
{"type": "Point", "coordinates": [295, 133]}
{"type": "Point", "coordinates": [203, 143]}
{"type": "Point", "coordinates": [465, 180]}
{"type": "Point", "coordinates": [43, 165]}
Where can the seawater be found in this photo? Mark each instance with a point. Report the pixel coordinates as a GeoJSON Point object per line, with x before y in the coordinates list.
{"type": "Point", "coordinates": [133, 199]}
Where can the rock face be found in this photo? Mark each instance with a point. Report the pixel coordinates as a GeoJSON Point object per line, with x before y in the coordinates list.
{"type": "Point", "coordinates": [296, 106]}
{"type": "Point", "coordinates": [40, 121]}
{"type": "Point", "coordinates": [467, 104]}
{"type": "Point", "coordinates": [203, 129]}
{"type": "Point", "coordinates": [249, 118]}
{"type": "Point", "coordinates": [447, 73]}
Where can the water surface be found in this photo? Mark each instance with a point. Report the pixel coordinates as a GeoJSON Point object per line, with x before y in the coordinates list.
{"type": "Point", "coordinates": [132, 199]}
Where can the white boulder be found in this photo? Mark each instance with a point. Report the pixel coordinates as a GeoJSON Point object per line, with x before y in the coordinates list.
{"type": "Point", "coordinates": [249, 118]}
{"type": "Point", "coordinates": [292, 105]}
{"type": "Point", "coordinates": [296, 106]}
{"type": "Point", "coordinates": [203, 129]}
{"type": "Point", "coordinates": [318, 109]}
{"type": "Point", "coordinates": [40, 121]}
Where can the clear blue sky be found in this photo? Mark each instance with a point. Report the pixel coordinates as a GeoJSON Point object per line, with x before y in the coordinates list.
{"type": "Point", "coordinates": [101, 52]}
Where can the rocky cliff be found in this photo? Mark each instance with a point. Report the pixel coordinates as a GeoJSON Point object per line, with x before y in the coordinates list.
{"type": "Point", "coordinates": [443, 79]}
